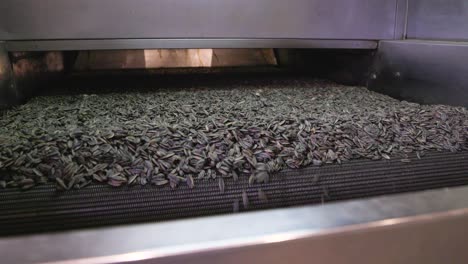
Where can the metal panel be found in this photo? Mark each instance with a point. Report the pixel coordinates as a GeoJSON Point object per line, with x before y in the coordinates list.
{"type": "Point", "coordinates": [429, 72]}
{"type": "Point", "coordinates": [438, 19]}
{"type": "Point", "coordinates": [8, 92]}
{"type": "Point", "coordinates": [426, 227]}
{"type": "Point", "coordinates": [103, 19]}
{"type": "Point", "coordinates": [109, 44]}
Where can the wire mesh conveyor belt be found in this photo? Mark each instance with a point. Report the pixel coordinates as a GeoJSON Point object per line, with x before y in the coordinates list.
{"type": "Point", "coordinates": [42, 209]}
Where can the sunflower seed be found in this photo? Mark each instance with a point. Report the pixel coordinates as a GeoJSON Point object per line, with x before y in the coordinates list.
{"type": "Point", "coordinates": [221, 184]}
{"type": "Point", "coordinates": [61, 184]}
{"type": "Point", "coordinates": [245, 200]}
{"type": "Point", "coordinates": [252, 179]}
{"type": "Point", "coordinates": [160, 182]}
{"type": "Point", "coordinates": [262, 196]}
{"type": "Point", "coordinates": [235, 206]}
{"type": "Point", "coordinates": [190, 181]}
{"type": "Point", "coordinates": [385, 156]}
{"type": "Point", "coordinates": [132, 178]}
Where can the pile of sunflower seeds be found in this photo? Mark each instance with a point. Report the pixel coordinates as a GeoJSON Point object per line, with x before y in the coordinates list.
{"type": "Point", "coordinates": [172, 137]}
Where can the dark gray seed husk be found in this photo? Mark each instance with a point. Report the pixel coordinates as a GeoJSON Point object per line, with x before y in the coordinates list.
{"type": "Point", "coordinates": [161, 182]}
{"type": "Point", "coordinates": [235, 176]}
{"type": "Point", "coordinates": [61, 184]}
{"type": "Point", "coordinates": [316, 162]}
{"type": "Point", "coordinates": [316, 179]}
{"type": "Point", "coordinates": [245, 200]}
{"type": "Point", "coordinates": [252, 179]}
{"type": "Point", "coordinates": [385, 156]}
{"type": "Point", "coordinates": [190, 181]}
{"type": "Point", "coordinates": [235, 206]}
{"type": "Point", "coordinates": [221, 184]}
{"type": "Point", "coordinates": [262, 196]}
{"type": "Point", "coordinates": [132, 179]}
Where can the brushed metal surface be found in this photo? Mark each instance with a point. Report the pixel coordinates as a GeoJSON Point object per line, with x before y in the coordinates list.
{"type": "Point", "coordinates": [113, 44]}
{"type": "Point", "coordinates": [103, 19]}
{"type": "Point", "coordinates": [428, 72]}
{"type": "Point", "coordinates": [438, 19]}
{"type": "Point", "coordinates": [424, 227]}
{"type": "Point", "coordinates": [429, 239]}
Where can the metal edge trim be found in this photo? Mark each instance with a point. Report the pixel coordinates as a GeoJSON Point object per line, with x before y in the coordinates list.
{"type": "Point", "coordinates": [109, 44]}
{"type": "Point", "coordinates": [262, 240]}
{"type": "Point", "coordinates": [427, 42]}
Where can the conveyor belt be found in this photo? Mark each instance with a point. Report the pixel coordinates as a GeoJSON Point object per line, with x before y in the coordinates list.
{"type": "Point", "coordinates": [42, 209]}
